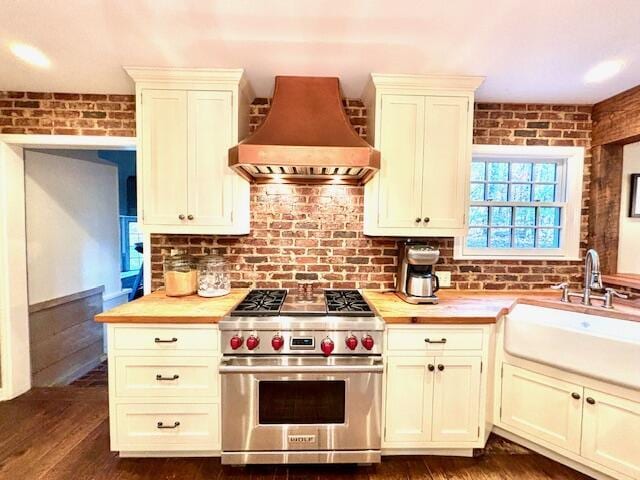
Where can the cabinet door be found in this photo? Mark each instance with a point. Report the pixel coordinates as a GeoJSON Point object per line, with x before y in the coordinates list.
{"type": "Point", "coordinates": [542, 407]}
{"type": "Point", "coordinates": [447, 162]}
{"type": "Point", "coordinates": [210, 180]}
{"type": "Point", "coordinates": [456, 399]}
{"type": "Point", "coordinates": [401, 147]}
{"type": "Point", "coordinates": [164, 156]}
{"type": "Point", "coordinates": [408, 400]}
{"type": "Point", "coordinates": [611, 432]}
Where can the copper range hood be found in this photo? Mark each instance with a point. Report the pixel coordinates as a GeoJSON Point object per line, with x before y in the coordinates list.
{"type": "Point", "coordinates": [305, 138]}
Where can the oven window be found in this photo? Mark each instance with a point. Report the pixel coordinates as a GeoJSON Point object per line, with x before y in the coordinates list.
{"type": "Point", "coordinates": [301, 402]}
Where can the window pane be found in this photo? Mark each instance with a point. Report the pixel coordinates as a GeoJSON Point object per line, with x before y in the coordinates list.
{"type": "Point", "coordinates": [477, 171]}
{"type": "Point", "coordinates": [544, 172]}
{"type": "Point", "coordinates": [477, 192]}
{"type": "Point", "coordinates": [500, 238]}
{"type": "Point", "coordinates": [524, 238]}
{"type": "Point", "coordinates": [521, 172]}
{"type": "Point", "coordinates": [497, 172]}
{"type": "Point", "coordinates": [525, 216]}
{"type": "Point", "coordinates": [497, 192]}
{"type": "Point", "coordinates": [548, 238]}
{"type": "Point", "coordinates": [501, 216]}
{"type": "Point", "coordinates": [544, 193]}
{"type": "Point", "coordinates": [479, 216]}
{"type": "Point", "coordinates": [549, 217]}
{"type": "Point", "coordinates": [520, 192]}
{"type": "Point", "coordinates": [477, 238]}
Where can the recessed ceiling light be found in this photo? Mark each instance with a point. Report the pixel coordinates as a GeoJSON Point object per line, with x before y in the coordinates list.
{"type": "Point", "coordinates": [603, 71]}
{"type": "Point", "coordinates": [31, 55]}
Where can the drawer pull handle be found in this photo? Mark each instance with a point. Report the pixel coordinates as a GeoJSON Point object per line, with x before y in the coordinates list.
{"type": "Point", "coordinates": [160, 340]}
{"type": "Point", "coordinates": [162, 425]}
{"type": "Point", "coordinates": [440, 367]}
{"type": "Point", "coordinates": [431, 367]}
{"type": "Point", "coordinates": [174, 377]}
{"type": "Point", "coordinates": [575, 396]}
{"type": "Point", "coordinates": [442, 340]}
{"type": "Point", "coordinates": [591, 401]}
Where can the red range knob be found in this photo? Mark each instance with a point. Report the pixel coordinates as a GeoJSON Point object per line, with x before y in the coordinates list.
{"type": "Point", "coordinates": [253, 342]}
{"type": "Point", "coordinates": [351, 342]}
{"type": "Point", "coordinates": [327, 346]}
{"type": "Point", "coordinates": [236, 342]}
{"type": "Point", "coordinates": [277, 342]}
{"type": "Point", "coordinates": [367, 342]}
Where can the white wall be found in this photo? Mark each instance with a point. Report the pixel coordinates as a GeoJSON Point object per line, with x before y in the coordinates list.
{"type": "Point", "coordinates": [629, 242]}
{"type": "Point", "coordinates": [72, 223]}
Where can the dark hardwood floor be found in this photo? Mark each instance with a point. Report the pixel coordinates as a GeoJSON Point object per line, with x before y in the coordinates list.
{"type": "Point", "coordinates": [63, 434]}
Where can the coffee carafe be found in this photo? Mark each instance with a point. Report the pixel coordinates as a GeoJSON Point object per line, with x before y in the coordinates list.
{"type": "Point", "coordinates": [416, 282]}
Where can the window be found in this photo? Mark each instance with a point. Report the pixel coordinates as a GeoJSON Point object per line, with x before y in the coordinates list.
{"type": "Point", "coordinates": [524, 202]}
{"type": "Point", "coordinates": [130, 234]}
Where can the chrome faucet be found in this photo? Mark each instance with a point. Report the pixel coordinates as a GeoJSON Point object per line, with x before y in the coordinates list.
{"type": "Point", "coordinates": [591, 275]}
{"type": "Point", "coordinates": [592, 280]}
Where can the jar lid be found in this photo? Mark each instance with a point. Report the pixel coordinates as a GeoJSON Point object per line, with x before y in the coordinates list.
{"type": "Point", "coordinates": [212, 258]}
{"type": "Point", "coordinates": [180, 259]}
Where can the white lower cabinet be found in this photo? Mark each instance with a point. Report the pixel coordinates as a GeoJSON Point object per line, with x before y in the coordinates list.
{"type": "Point", "coordinates": [599, 428]}
{"type": "Point", "coordinates": [409, 400]}
{"type": "Point", "coordinates": [164, 389]}
{"type": "Point", "coordinates": [168, 427]}
{"type": "Point", "coordinates": [456, 399]}
{"type": "Point", "coordinates": [434, 395]}
{"type": "Point", "coordinates": [547, 408]}
{"type": "Point", "coordinates": [611, 432]}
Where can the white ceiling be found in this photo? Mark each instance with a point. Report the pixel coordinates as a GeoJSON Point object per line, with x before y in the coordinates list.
{"type": "Point", "coordinates": [530, 50]}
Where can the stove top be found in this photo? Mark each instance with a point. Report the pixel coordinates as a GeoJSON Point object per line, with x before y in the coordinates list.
{"type": "Point", "coordinates": [261, 302]}
{"type": "Point", "coordinates": [266, 302]}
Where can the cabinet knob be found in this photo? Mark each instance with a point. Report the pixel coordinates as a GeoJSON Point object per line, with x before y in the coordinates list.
{"type": "Point", "coordinates": [440, 367]}
{"type": "Point", "coordinates": [591, 401]}
{"type": "Point", "coordinates": [418, 220]}
{"type": "Point", "coordinates": [181, 216]}
{"type": "Point", "coordinates": [575, 395]}
{"type": "Point", "coordinates": [431, 367]}
{"type": "Point", "coordinates": [190, 217]}
{"type": "Point", "coordinates": [426, 220]}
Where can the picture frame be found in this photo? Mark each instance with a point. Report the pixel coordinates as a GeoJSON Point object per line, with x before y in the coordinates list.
{"type": "Point", "coordinates": [634, 200]}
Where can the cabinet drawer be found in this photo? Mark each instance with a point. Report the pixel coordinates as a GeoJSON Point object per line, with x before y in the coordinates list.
{"type": "Point", "coordinates": [166, 339]}
{"type": "Point", "coordinates": [166, 376]}
{"type": "Point", "coordinates": [190, 427]}
{"type": "Point", "coordinates": [429, 340]}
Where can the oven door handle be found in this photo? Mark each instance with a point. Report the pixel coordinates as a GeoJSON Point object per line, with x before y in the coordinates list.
{"type": "Point", "coordinates": [370, 368]}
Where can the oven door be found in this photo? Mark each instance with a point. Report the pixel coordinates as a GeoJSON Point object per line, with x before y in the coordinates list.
{"type": "Point", "coordinates": [288, 403]}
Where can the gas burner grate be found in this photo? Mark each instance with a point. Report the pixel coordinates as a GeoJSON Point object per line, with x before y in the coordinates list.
{"type": "Point", "coordinates": [261, 302]}
{"type": "Point", "coordinates": [347, 302]}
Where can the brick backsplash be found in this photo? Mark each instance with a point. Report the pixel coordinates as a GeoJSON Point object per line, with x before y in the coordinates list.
{"type": "Point", "coordinates": [67, 114]}
{"type": "Point", "coordinates": [309, 232]}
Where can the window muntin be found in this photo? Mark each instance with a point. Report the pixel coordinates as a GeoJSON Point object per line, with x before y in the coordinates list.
{"type": "Point", "coordinates": [516, 204]}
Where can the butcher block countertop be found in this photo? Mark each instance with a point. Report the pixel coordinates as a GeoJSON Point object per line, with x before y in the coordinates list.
{"type": "Point", "coordinates": [158, 308]}
{"type": "Point", "coordinates": [483, 306]}
{"type": "Point", "coordinates": [454, 307]}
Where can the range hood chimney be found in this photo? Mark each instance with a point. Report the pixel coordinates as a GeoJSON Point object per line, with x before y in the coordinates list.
{"type": "Point", "coordinates": [305, 138]}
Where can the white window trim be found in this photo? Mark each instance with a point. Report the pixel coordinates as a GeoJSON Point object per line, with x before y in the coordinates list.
{"type": "Point", "coordinates": [570, 237]}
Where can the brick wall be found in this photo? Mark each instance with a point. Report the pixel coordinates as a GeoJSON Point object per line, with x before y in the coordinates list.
{"type": "Point", "coordinates": [314, 232]}
{"type": "Point", "coordinates": [306, 232]}
{"type": "Point", "coordinates": [67, 114]}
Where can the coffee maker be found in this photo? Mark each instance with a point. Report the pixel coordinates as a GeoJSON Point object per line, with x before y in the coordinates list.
{"type": "Point", "coordinates": [416, 282]}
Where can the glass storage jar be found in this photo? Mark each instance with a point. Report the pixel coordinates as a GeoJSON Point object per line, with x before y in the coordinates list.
{"type": "Point", "coordinates": [213, 276]}
{"type": "Point", "coordinates": [180, 275]}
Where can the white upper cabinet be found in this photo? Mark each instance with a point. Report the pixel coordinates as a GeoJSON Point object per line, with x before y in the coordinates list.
{"type": "Point", "coordinates": [187, 121]}
{"type": "Point", "coordinates": [422, 126]}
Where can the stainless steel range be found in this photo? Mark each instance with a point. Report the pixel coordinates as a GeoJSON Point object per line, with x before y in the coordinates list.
{"type": "Point", "coordinates": [301, 379]}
